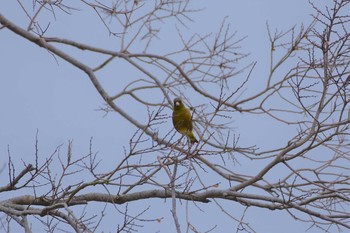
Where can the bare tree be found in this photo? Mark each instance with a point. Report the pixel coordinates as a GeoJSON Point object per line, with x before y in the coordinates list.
{"type": "Point", "coordinates": [306, 92]}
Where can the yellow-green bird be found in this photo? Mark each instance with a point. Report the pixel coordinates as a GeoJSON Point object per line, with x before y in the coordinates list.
{"type": "Point", "coordinates": [182, 120]}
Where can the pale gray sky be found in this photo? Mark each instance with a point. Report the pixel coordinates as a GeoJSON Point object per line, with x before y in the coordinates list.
{"type": "Point", "coordinates": [36, 92]}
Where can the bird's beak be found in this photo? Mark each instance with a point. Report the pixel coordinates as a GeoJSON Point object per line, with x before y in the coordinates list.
{"type": "Point", "coordinates": [177, 103]}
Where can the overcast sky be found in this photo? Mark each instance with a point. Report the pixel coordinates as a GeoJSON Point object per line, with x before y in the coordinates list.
{"type": "Point", "coordinates": [38, 93]}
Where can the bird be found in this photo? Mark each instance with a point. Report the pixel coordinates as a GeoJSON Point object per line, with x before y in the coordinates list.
{"type": "Point", "coordinates": [182, 120]}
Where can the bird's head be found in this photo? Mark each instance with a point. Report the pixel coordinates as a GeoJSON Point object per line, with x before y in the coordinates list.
{"type": "Point", "coordinates": [178, 103]}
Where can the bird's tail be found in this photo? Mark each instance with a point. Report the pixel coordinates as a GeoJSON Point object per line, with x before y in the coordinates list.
{"type": "Point", "coordinates": [192, 138]}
